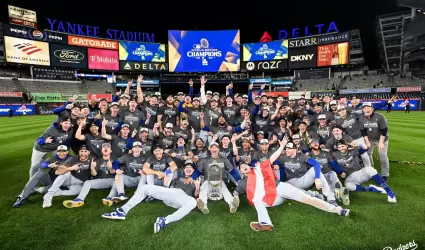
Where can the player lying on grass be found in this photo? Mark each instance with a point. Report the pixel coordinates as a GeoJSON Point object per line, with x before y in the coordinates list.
{"type": "Point", "coordinates": [180, 195]}
{"type": "Point", "coordinates": [355, 174]}
{"type": "Point", "coordinates": [45, 175]}
{"type": "Point", "coordinates": [264, 190]}
{"type": "Point", "coordinates": [104, 174]}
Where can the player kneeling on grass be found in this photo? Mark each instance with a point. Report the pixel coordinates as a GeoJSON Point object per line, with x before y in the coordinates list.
{"type": "Point", "coordinates": [45, 175]}
{"type": "Point", "coordinates": [131, 174]}
{"type": "Point", "coordinates": [264, 190]}
{"type": "Point", "coordinates": [207, 167]}
{"type": "Point", "coordinates": [180, 195]}
{"type": "Point", "coordinates": [104, 174]}
{"type": "Point", "coordinates": [355, 174]}
{"type": "Point", "coordinates": [72, 174]}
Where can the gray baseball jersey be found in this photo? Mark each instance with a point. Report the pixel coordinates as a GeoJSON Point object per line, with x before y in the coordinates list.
{"type": "Point", "coordinates": [132, 164]}
{"type": "Point", "coordinates": [349, 161]}
{"type": "Point", "coordinates": [351, 125]}
{"type": "Point", "coordinates": [189, 189]}
{"type": "Point", "coordinates": [59, 137]}
{"type": "Point", "coordinates": [323, 158]}
{"type": "Point", "coordinates": [373, 125]}
{"type": "Point", "coordinates": [84, 172]}
{"type": "Point", "coordinates": [159, 165]}
{"type": "Point", "coordinates": [294, 167]}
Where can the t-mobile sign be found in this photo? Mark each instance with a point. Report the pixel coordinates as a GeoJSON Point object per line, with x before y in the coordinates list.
{"type": "Point", "coordinates": [103, 59]}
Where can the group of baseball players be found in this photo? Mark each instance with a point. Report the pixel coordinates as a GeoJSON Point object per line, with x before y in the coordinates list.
{"type": "Point", "coordinates": [186, 150]}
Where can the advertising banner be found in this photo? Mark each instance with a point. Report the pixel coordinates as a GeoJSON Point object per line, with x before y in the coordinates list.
{"type": "Point", "coordinates": [143, 66]}
{"type": "Point", "coordinates": [97, 97]}
{"type": "Point", "coordinates": [364, 91]}
{"type": "Point", "coordinates": [47, 97]}
{"type": "Point", "coordinates": [80, 97]}
{"type": "Point", "coordinates": [92, 42]}
{"type": "Point", "coordinates": [397, 105]}
{"type": "Point", "coordinates": [332, 54]}
{"type": "Point", "coordinates": [303, 42]}
{"type": "Point", "coordinates": [323, 93]}
{"type": "Point", "coordinates": [68, 56]}
{"type": "Point", "coordinates": [335, 38]}
{"type": "Point", "coordinates": [303, 74]}
{"type": "Point", "coordinates": [24, 109]}
{"type": "Point", "coordinates": [275, 94]}
{"type": "Point", "coordinates": [203, 51]}
{"type": "Point", "coordinates": [146, 83]}
{"type": "Point", "coordinates": [47, 108]}
{"type": "Point", "coordinates": [53, 74]}
{"type": "Point", "coordinates": [103, 59]}
{"type": "Point", "coordinates": [275, 50]}
{"type": "Point", "coordinates": [282, 83]}
{"type": "Point", "coordinates": [34, 34]}
{"type": "Point", "coordinates": [22, 16]}
{"type": "Point", "coordinates": [302, 58]}
{"type": "Point", "coordinates": [25, 51]}
{"type": "Point", "coordinates": [143, 52]}
{"type": "Point", "coordinates": [260, 80]}
{"type": "Point", "coordinates": [11, 94]}
{"type": "Point", "coordinates": [297, 95]}
{"type": "Point", "coordinates": [264, 65]}
{"type": "Point", "coordinates": [409, 89]}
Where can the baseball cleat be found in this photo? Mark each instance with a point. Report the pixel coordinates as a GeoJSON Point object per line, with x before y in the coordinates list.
{"type": "Point", "coordinates": [19, 201]}
{"type": "Point", "coordinates": [344, 212]}
{"type": "Point", "coordinates": [73, 203]}
{"type": "Point", "coordinates": [120, 197]}
{"type": "Point", "coordinates": [41, 190]}
{"type": "Point", "coordinates": [117, 214]}
{"type": "Point", "coordinates": [107, 201]}
{"type": "Point", "coordinates": [47, 203]}
{"type": "Point", "coordinates": [235, 204]}
{"type": "Point", "coordinates": [345, 196]}
{"type": "Point", "coordinates": [201, 205]}
{"type": "Point", "coordinates": [377, 188]}
{"type": "Point", "coordinates": [338, 191]}
{"type": "Point", "coordinates": [159, 224]}
{"type": "Point", "coordinates": [392, 199]}
{"type": "Point", "coordinates": [260, 226]}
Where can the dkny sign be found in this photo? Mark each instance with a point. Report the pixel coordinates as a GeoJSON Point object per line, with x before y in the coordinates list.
{"type": "Point", "coordinates": [264, 65]}
{"type": "Point", "coordinates": [303, 58]}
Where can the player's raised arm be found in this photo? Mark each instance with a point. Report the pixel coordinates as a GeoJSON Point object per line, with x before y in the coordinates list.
{"type": "Point", "coordinates": [78, 134]}
{"type": "Point", "coordinates": [278, 152]}
{"type": "Point", "coordinates": [103, 130]}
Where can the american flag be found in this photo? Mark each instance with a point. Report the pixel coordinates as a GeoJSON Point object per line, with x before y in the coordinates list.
{"type": "Point", "coordinates": [27, 48]}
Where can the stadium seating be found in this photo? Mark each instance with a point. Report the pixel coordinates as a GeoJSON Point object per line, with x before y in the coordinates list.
{"type": "Point", "coordinates": [8, 85]}
{"type": "Point", "coordinates": [96, 87]}
{"type": "Point", "coordinates": [11, 100]}
{"type": "Point", "coordinates": [50, 86]}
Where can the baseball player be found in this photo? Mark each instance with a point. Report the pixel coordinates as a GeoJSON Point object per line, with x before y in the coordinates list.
{"type": "Point", "coordinates": [326, 163]}
{"type": "Point", "coordinates": [264, 190]}
{"type": "Point", "coordinates": [159, 166]}
{"type": "Point", "coordinates": [375, 129]}
{"type": "Point", "coordinates": [102, 169]}
{"type": "Point", "coordinates": [72, 174]}
{"type": "Point", "coordinates": [180, 196]}
{"type": "Point", "coordinates": [302, 171]}
{"type": "Point", "coordinates": [351, 126]}
{"type": "Point", "coordinates": [93, 139]}
{"type": "Point", "coordinates": [130, 175]}
{"type": "Point", "coordinates": [57, 134]}
{"type": "Point", "coordinates": [203, 167]}
{"type": "Point", "coordinates": [118, 142]}
{"type": "Point", "coordinates": [355, 175]}
{"type": "Point", "coordinates": [45, 175]}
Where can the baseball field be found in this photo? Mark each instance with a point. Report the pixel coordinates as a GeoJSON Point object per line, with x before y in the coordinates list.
{"type": "Point", "coordinates": [373, 223]}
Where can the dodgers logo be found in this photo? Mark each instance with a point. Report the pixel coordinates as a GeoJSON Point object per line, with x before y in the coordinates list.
{"type": "Point", "coordinates": [265, 51]}
{"type": "Point", "coordinates": [142, 52]}
{"type": "Point", "coordinates": [202, 51]}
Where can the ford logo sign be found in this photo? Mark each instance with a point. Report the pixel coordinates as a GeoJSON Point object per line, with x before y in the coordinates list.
{"type": "Point", "coordinates": [66, 54]}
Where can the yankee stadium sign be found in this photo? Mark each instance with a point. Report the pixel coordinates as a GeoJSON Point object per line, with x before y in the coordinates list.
{"type": "Point", "coordinates": [93, 31]}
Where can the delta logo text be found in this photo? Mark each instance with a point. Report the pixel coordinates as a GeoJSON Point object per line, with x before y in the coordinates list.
{"type": "Point", "coordinates": [299, 58]}
{"type": "Point", "coordinates": [69, 56]}
{"type": "Point", "coordinates": [204, 52]}
{"type": "Point", "coordinates": [143, 66]}
{"type": "Point", "coordinates": [27, 48]}
{"type": "Point", "coordinates": [142, 52]}
{"type": "Point", "coordinates": [265, 51]}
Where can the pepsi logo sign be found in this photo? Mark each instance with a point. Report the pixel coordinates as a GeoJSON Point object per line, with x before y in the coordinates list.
{"type": "Point", "coordinates": [37, 34]}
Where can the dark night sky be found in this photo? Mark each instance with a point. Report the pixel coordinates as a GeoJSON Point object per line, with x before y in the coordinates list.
{"type": "Point", "coordinates": [252, 19]}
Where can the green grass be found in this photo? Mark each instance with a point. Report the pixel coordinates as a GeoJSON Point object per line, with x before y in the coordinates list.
{"type": "Point", "coordinates": [373, 223]}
